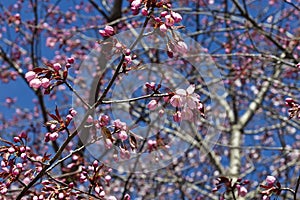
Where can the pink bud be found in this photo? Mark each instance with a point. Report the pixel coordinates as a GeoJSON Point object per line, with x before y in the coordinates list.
{"type": "Point", "coordinates": [242, 191]}
{"type": "Point", "coordinates": [35, 83]}
{"type": "Point", "coordinates": [71, 60]}
{"type": "Point", "coordinates": [23, 156]}
{"type": "Point", "coordinates": [52, 127]}
{"type": "Point", "coordinates": [16, 172]}
{"type": "Point", "coordinates": [127, 197]}
{"type": "Point", "coordinates": [127, 52]}
{"type": "Point", "coordinates": [56, 66]}
{"type": "Point", "coordinates": [108, 143]}
{"type": "Point", "coordinates": [22, 149]}
{"type": "Point", "coordinates": [19, 165]}
{"type": "Point", "coordinates": [11, 150]}
{"type": "Point", "coordinates": [163, 28]}
{"type": "Point", "coordinates": [61, 195]}
{"type": "Point", "coordinates": [136, 3]}
{"type": "Point", "coordinates": [163, 13]}
{"type": "Point", "coordinates": [95, 163]}
{"type": "Point", "coordinates": [109, 30]}
{"type": "Point", "coordinates": [122, 135]}
{"type": "Point", "coordinates": [118, 45]}
{"type": "Point", "coordinates": [152, 105]}
{"type": "Point", "coordinates": [23, 134]}
{"type": "Point", "coordinates": [30, 75]}
{"type": "Point", "coordinates": [177, 17]}
{"type": "Point", "coordinates": [177, 116]}
{"type": "Point", "coordinates": [102, 194]}
{"type": "Point", "coordinates": [104, 120]}
{"type": "Point", "coordinates": [107, 178]}
{"type": "Point", "coordinates": [169, 20]}
{"type": "Point", "coordinates": [157, 19]}
{"type": "Point", "coordinates": [181, 47]}
{"type": "Point", "coordinates": [103, 33]}
{"type": "Point", "coordinates": [73, 112]}
{"type": "Point", "coordinates": [270, 180]}
{"type": "Point", "coordinates": [289, 100]}
{"type": "Point", "coordinates": [128, 59]}
{"type": "Point", "coordinates": [17, 139]}
{"type": "Point", "coordinates": [144, 12]}
{"type": "Point", "coordinates": [53, 136]}
{"type": "Point", "coordinates": [69, 117]}
{"type": "Point", "coordinates": [45, 82]}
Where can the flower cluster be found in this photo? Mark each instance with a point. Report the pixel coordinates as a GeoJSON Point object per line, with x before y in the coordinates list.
{"type": "Point", "coordinates": [41, 77]}
{"type": "Point", "coordinates": [294, 110]}
{"type": "Point", "coordinates": [227, 184]}
{"type": "Point", "coordinates": [15, 165]}
{"type": "Point", "coordinates": [271, 186]}
{"type": "Point", "coordinates": [186, 102]}
{"type": "Point", "coordinates": [58, 124]}
{"type": "Point", "coordinates": [107, 31]}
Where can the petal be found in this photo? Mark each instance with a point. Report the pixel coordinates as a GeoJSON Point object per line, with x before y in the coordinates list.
{"type": "Point", "coordinates": [191, 103]}
{"type": "Point", "coordinates": [181, 92]}
{"type": "Point", "coordinates": [191, 89]}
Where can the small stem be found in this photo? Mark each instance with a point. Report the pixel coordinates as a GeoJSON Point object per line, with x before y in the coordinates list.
{"type": "Point", "coordinates": [297, 187]}
{"type": "Point", "coordinates": [233, 195]}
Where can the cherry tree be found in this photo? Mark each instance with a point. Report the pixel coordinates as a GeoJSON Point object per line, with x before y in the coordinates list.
{"type": "Point", "coordinates": [149, 99]}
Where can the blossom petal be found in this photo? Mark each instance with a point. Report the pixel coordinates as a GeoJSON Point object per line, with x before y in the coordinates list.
{"type": "Point", "coordinates": [190, 89]}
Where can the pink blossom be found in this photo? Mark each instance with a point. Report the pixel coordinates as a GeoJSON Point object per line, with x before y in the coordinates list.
{"type": "Point", "coordinates": [127, 197]}
{"type": "Point", "coordinates": [23, 156]}
{"type": "Point", "coordinates": [163, 28]}
{"type": "Point", "coordinates": [152, 105]}
{"type": "Point", "coordinates": [17, 139]}
{"type": "Point", "coordinates": [50, 41]}
{"type": "Point", "coordinates": [56, 66]}
{"type": "Point", "coordinates": [108, 143]}
{"type": "Point", "coordinates": [73, 112]}
{"type": "Point", "coordinates": [270, 180]}
{"type": "Point", "coordinates": [104, 120]}
{"type": "Point", "coordinates": [144, 12]}
{"type": "Point", "coordinates": [103, 33]}
{"type": "Point", "coordinates": [69, 117]}
{"type": "Point", "coordinates": [11, 150]}
{"type": "Point", "coordinates": [107, 178]}
{"type": "Point", "coordinates": [187, 114]}
{"type": "Point", "coordinates": [150, 85]}
{"type": "Point", "coordinates": [71, 60]}
{"type": "Point", "coordinates": [45, 82]}
{"type": "Point", "coordinates": [169, 20]}
{"type": "Point", "coordinates": [163, 13]}
{"type": "Point", "coordinates": [120, 125]}
{"type": "Point", "coordinates": [122, 135]}
{"type": "Point", "coordinates": [53, 136]}
{"type": "Point", "coordinates": [176, 101]}
{"type": "Point", "coordinates": [189, 97]}
{"type": "Point", "coordinates": [242, 191]}
{"type": "Point", "coordinates": [128, 59]}
{"type": "Point", "coordinates": [151, 145]}
{"type": "Point", "coordinates": [109, 30]}
{"type": "Point", "coordinates": [35, 83]}
{"type": "Point", "coordinates": [136, 3]}
{"type": "Point", "coordinates": [30, 75]}
{"type": "Point", "coordinates": [181, 47]}
{"type": "Point", "coordinates": [124, 154]}
{"type": "Point", "coordinates": [177, 17]}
